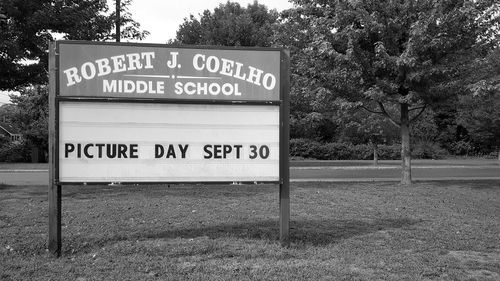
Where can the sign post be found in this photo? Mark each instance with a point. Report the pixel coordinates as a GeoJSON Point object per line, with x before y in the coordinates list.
{"type": "Point", "coordinates": [285, 147]}
{"type": "Point", "coordinates": [145, 113]}
{"type": "Point", "coordinates": [54, 195]}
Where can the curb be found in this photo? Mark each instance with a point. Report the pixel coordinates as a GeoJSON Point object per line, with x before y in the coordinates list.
{"type": "Point", "coordinates": [397, 179]}
{"type": "Point", "coordinates": [391, 167]}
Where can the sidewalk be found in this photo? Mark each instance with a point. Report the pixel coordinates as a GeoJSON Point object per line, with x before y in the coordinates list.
{"type": "Point", "coordinates": [384, 163]}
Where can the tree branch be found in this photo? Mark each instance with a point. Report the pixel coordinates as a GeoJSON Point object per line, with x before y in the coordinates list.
{"type": "Point", "coordinates": [382, 112]}
{"type": "Point", "coordinates": [418, 107]}
{"type": "Point", "coordinates": [371, 110]}
{"type": "Point", "coordinates": [386, 114]}
{"type": "Point", "coordinates": [422, 109]}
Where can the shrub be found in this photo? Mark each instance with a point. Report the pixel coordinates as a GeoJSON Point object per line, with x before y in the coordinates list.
{"type": "Point", "coordinates": [389, 152]}
{"type": "Point", "coordinates": [305, 148]}
{"type": "Point", "coordinates": [461, 148]}
{"type": "Point", "coordinates": [15, 152]}
{"type": "Point", "coordinates": [428, 150]}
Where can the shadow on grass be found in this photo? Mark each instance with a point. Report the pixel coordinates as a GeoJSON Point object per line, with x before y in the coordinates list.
{"type": "Point", "coordinates": [310, 232]}
{"type": "Point", "coordinates": [4, 186]}
{"type": "Point", "coordinates": [484, 184]}
{"type": "Point", "coordinates": [320, 233]}
{"type": "Point", "coordinates": [165, 190]}
{"type": "Point", "coordinates": [457, 183]}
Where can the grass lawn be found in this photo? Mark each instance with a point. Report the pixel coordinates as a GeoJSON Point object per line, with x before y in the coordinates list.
{"type": "Point", "coordinates": [345, 231]}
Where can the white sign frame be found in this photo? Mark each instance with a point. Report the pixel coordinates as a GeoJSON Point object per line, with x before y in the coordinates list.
{"type": "Point", "coordinates": [231, 66]}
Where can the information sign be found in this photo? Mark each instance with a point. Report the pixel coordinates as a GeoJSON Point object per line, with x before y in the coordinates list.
{"type": "Point", "coordinates": [150, 113]}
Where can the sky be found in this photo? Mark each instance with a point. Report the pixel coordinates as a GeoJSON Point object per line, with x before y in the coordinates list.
{"type": "Point", "coordinates": [163, 17]}
{"type": "Point", "coordinates": [4, 98]}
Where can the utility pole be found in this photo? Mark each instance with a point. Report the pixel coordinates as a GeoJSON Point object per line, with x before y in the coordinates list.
{"type": "Point", "coordinates": [118, 20]}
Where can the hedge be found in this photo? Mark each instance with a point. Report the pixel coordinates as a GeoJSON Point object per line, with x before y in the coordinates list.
{"type": "Point", "coordinates": [15, 152]}
{"type": "Point", "coordinates": [306, 148]}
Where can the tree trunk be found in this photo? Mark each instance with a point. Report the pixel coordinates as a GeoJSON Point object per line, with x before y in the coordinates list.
{"type": "Point", "coordinates": [375, 154]}
{"type": "Point", "coordinates": [117, 20]}
{"type": "Point", "coordinates": [405, 145]}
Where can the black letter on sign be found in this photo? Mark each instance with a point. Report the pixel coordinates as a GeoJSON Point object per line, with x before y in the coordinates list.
{"type": "Point", "coordinates": [100, 146]}
{"type": "Point", "coordinates": [264, 152]}
{"type": "Point", "coordinates": [86, 150]}
{"type": "Point", "coordinates": [69, 147]}
{"type": "Point", "coordinates": [238, 147]}
{"type": "Point", "coordinates": [111, 150]}
{"type": "Point", "coordinates": [170, 151]}
{"type": "Point", "coordinates": [206, 148]}
{"type": "Point", "coordinates": [122, 151]}
{"type": "Point", "coordinates": [183, 150]}
{"type": "Point", "coordinates": [227, 150]}
{"type": "Point", "coordinates": [133, 151]}
{"type": "Point", "coordinates": [217, 151]}
{"type": "Point", "coordinates": [253, 151]}
{"type": "Point", "coordinates": [159, 151]}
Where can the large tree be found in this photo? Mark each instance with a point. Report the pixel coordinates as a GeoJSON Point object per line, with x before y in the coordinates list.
{"type": "Point", "coordinates": [230, 25]}
{"type": "Point", "coordinates": [480, 115]}
{"type": "Point", "coordinates": [26, 27]}
{"type": "Point", "coordinates": [358, 127]}
{"type": "Point", "coordinates": [479, 109]}
{"type": "Point", "coordinates": [404, 54]}
{"type": "Point", "coordinates": [31, 115]}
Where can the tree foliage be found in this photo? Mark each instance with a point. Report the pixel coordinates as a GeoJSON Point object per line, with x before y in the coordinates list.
{"type": "Point", "coordinates": [7, 112]}
{"type": "Point", "coordinates": [230, 25]}
{"type": "Point", "coordinates": [479, 109]}
{"type": "Point", "coordinates": [358, 127]}
{"type": "Point", "coordinates": [403, 52]}
{"type": "Point", "coordinates": [31, 114]}
{"type": "Point", "coordinates": [26, 27]}
{"type": "Point", "coordinates": [407, 55]}
{"type": "Point", "coordinates": [480, 115]}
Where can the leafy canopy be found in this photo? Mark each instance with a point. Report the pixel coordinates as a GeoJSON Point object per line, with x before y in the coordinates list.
{"type": "Point", "coordinates": [31, 114]}
{"type": "Point", "coordinates": [26, 27]}
{"type": "Point", "coordinates": [414, 52]}
{"type": "Point", "coordinates": [230, 25]}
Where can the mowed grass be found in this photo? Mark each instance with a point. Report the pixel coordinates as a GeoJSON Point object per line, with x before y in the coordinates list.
{"type": "Point", "coordinates": [340, 231]}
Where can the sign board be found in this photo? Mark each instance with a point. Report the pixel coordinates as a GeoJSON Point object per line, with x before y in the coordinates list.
{"type": "Point", "coordinates": [138, 71]}
{"type": "Point", "coordinates": [150, 113]}
{"type": "Point", "coordinates": [122, 142]}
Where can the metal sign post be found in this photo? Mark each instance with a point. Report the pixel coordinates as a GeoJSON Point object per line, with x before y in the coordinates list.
{"type": "Point", "coordinates": [147, 113]}
{"type": "Point", "coordinates": [54, 195]}
{"type": "Point", "coordinates": [284, 150]}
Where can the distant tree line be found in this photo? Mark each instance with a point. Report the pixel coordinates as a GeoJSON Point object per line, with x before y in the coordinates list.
{"type": "Point", "coordinates": [420, 75]}
{"type": "Point", "coordinates": [26, 27]}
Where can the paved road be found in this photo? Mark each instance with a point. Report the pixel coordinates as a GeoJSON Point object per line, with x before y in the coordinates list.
{"type": "Point", "coordinates": [393, 173]}
{"type": "Point", "coordinates": [24, 177]}
{"type": "Point", "coordinates": [390, 170]}
{"type": "Point", "coordinates": [324, 171]}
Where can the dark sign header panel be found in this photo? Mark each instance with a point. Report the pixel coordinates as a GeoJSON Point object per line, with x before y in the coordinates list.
{"type": "Point", "coordinates": [129, 71]}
